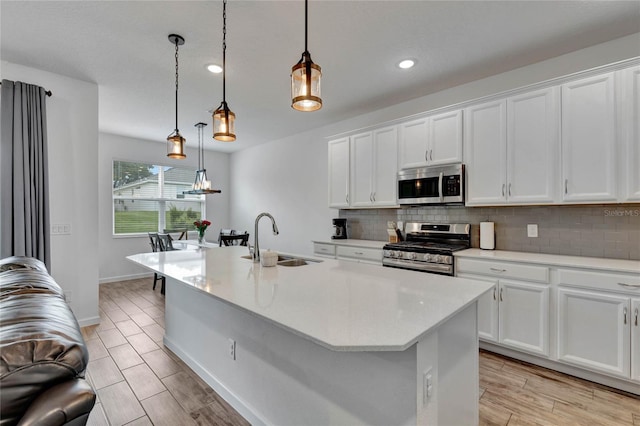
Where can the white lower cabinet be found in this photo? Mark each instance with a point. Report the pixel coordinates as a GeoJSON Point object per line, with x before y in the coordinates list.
{"type": "Point", "coordinates": [635, 339]}
{"type": "Point", "coordinates": [594, 330]}
{"type": "Point", "coordinates": [349, 252]}
{"type": "Point", "coordinates": [515, 314]}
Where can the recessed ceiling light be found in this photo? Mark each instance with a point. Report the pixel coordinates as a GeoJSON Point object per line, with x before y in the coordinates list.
{"type": "Point", "coordinates": [216, 69]}
{"type": "Point", "coordinates": [407, 63]}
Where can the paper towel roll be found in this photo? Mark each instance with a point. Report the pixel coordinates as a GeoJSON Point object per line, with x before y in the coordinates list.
{"type": "Point", "coordinates": [487, 236]}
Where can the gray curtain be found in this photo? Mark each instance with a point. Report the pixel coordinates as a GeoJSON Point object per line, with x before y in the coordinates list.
{"type": "Point", "coordinates": [24, 183]}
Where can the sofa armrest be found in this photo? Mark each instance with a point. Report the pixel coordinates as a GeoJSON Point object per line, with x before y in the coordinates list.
{"type": "Point", "coordinates": [60, 404]}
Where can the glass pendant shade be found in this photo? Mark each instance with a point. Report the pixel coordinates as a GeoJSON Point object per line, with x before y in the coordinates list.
{"type": "Point", "coordinates": [305, 85]}
{"type": "Point", "coordinates": [224, 124]}
{"type": "Point", "coordinates": [175, 145]}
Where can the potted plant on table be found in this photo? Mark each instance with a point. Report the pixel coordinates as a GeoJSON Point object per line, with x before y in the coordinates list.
{"type": "Point", "coordinates": [201, 227]}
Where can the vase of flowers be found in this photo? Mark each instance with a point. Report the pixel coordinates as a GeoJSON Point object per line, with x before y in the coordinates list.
{"type": "Point", "coordinates": [201, 227]}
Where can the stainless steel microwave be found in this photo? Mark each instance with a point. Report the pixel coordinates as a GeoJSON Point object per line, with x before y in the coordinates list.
{"type": "Point", "coordinates": [432, 185]}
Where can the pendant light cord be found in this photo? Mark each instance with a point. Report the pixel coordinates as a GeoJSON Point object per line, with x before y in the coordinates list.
{"type": "Point", "coordinates": [224, 51]}
{"type": "Point", "coordinates": [306, 25]}
{"type": "Point", "coordinates": [200, 165]}
{"type": "Point", "coordinates": [176, 84]}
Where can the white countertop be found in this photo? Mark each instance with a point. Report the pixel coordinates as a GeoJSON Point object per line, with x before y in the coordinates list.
{"type": "Point", "coordinates": [354, 243]}
{"type": "Point", "coordinates": [341, 305]}
{"type": "Point", "coordinates": [612, 265]}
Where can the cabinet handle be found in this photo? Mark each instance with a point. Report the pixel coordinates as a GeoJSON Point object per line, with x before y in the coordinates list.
{"type": "Point", "coordinates": [566, 186]}
{"type": "Point", "coordinates": [431, 154]}
{"type": "Point", "coordinates": [498, 270]}
{"type": "Point", "coordinates": [629, 285]}
{"type": "Point", "coordinates": [426, 155]}
{"type": "Point", "coordinates": [359, 253]}
{"type": "Point", "coordinates": [346, 198]}
{"type": "Point", "coordinates": [494, 294]}
{"type": "Point", "coordinates": [624, 311]}
{"type": "Point", "coordinates": [503, 189]}
{"type": "Point", "coordinates": [636, 320]}
{"type": "Point", "coordinates": [371, 197]}
{"type": "Point", "coordinates": [374, 197]}
{"type": "Point", "coordinates": [509, 190]}
{"type": "Point", "coordinates": [501, 295]}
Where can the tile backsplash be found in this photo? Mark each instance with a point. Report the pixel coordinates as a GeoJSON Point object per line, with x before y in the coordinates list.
{"type": "Point", "coordinates": [611, 230]}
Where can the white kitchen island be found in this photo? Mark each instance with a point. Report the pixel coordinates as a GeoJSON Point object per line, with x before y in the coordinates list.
{"type": "Point", "coordinates": [327, 343]}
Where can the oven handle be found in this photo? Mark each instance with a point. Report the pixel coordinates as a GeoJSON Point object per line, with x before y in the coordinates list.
{"type": "Point", "coordinates": [440, 191]}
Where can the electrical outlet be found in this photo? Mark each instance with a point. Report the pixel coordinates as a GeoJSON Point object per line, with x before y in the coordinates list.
{"type": "Point", "coordinates": [532, 230]}
{"type": "Point", "coordinates": [232, 349]}
{"type": "Point", "coordinates": [427, 386]}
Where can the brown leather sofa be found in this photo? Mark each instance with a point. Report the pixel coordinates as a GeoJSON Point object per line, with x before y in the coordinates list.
{"type": "Point", "coordinates": [43, 356]}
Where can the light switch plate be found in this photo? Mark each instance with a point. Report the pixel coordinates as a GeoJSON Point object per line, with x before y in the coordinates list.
{"type": "Point", "coordinates": [532, 230]}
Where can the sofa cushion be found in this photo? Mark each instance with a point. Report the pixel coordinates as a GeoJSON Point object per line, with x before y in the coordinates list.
{"type": "Point", "coordinates": [40, 343]}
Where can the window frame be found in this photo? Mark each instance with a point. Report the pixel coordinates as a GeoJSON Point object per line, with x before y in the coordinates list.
{"type": "Point", "coordinates": [161, 200]}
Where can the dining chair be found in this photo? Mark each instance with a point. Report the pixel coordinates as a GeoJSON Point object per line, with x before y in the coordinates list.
{"type": "Point", "coordinates": [165, 242]}
{"type": "Point", "coordinates": [154, 241]}
{"type": "Point", "coordinates": [235, 239]}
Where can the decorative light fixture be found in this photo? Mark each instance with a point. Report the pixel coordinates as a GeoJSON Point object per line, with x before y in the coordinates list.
{"type": "Point", "coordinates": [175, 141]}
{"type": "Point", "coordinates": [305, 78]}
{"type": "Point", "coordinates": [201, 185]}
{"type": "Point", "coordinates": [224, 127]}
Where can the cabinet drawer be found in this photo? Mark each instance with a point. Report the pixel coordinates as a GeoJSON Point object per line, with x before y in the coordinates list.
{"type": "Point", "coordinates": [628, 283]}
{"type": "Point", "coordinates": [324, 249]}
{"type": "Point", "coordinates": [503, 270]}
{"type": "Point", "coordinates": [359, 253]}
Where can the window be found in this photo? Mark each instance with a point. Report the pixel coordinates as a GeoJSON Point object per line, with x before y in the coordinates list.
{"type": "Point", "coordinates": [148, 198]}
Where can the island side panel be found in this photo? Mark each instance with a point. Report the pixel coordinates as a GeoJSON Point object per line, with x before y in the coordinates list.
{"type": "Point", "coordinates": [281, 378]}
{"type": "Point", "coordinates": [448, 361]}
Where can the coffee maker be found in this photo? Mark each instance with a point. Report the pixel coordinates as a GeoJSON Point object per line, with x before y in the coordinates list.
{"type": "Point", "coordinates": [340, 232]}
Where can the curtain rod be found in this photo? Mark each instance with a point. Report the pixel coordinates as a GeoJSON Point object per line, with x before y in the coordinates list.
{"type": "Point", "coordinates": [46, 92]}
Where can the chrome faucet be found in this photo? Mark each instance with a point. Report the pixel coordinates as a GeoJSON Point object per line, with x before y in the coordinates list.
{"type": "Point", "coordinates": [256, 246]}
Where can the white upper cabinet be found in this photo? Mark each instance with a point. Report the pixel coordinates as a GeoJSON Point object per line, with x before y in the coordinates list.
{"type": "Point", "coordinates": [338, 171]}
{"type": "Point", "coordinates": [485, 153]}
{"type": "Point", "coordinates": [385, 167]}
{"type": "Point", "coordinates": [362, 169]}
{"type": "Point", "coordinates": [412, 148]}
{"type": "Point", "coordinates": [589, 140]}
{"type": "Point", "coordinates": [431, 141]}
{"type": "Point", "coordinates": [630, 123]}
{"type": "Point", "coordinates": [444, 143]}
{"type": "Point", "coordinates": [533, 148]}
{"type": "Point", "coordinates": [374, 159]}
{"type": "Point", "coordinates": [511, 149]}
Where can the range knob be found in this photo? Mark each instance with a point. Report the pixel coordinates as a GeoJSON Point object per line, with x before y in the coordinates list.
{"type": "Point", "coordinates": [438, 259]}
{"type": "Point", "coordinates": [428, 257]}
{"type": "Point", "coordinates": [412, 256]}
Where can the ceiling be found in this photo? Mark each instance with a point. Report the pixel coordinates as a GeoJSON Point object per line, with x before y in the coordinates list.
{"type": "Point", "coordinates": [123, 47]}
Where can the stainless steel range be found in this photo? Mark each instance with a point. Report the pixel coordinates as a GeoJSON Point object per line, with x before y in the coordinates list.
{"type": "Point", "coordinates": [428, 247]}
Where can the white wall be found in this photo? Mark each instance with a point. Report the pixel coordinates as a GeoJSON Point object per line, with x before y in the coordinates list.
{"type": "Point", "coordinates": [72, 128]}
{"type": "Point", "coordinates": [113, 265]}
{"type": "Point", "coordinates": [288, 177]}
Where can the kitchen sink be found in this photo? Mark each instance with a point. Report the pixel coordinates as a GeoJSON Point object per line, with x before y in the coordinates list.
{"type": "Point", "coordinates": [289, 260]}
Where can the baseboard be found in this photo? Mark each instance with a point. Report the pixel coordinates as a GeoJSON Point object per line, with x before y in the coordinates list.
{"type": "Point", "coordinates": [125, 277]}
{"type": "Point", "coordinates": [89, 321]}
{"type": "Point", "coordinates": [238, 404]}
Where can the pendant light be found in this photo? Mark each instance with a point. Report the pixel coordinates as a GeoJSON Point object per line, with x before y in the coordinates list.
{"type": "Point", "coordinates": [224, 127]}
{"type": "Point", "coordinates": [201, 185]}
{"type": "Point", "coordinates": [175, 141]}
{"type": "Point", "coordinates": [305, 78]}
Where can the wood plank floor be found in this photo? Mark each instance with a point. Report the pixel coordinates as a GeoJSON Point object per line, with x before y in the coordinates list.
{"type": "Point", "coordinates": [141, 382]}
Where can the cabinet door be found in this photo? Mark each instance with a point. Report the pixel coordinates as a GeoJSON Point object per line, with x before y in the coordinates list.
{"type": "Point", "coordinates": [533, 149]}
{"type": "Point", "coordinates": [524, 316]}
{"type": "Point", "coordinates": [413, 144]}
{"type": "Point", "coordinates": [592, 332]}
{"type": "Point", "coordinates": [485, 153]}
{"type": "Point", "coordinates": [589, 139]}
{"type": "Point", "coordinates": [445, 138]}
{"type": "Point", "coordinates": [361, 170]}
{"type": "Point", "coordinates": [385, 170]}
{"type": "Point", "coordinates": [338, 171]}
{"type": "Point", "coordinates": [635, 339]}
{"type": "Point", "coordinates": [487, 310]}
{"type": "Point", "coordinates": [631, 124]}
